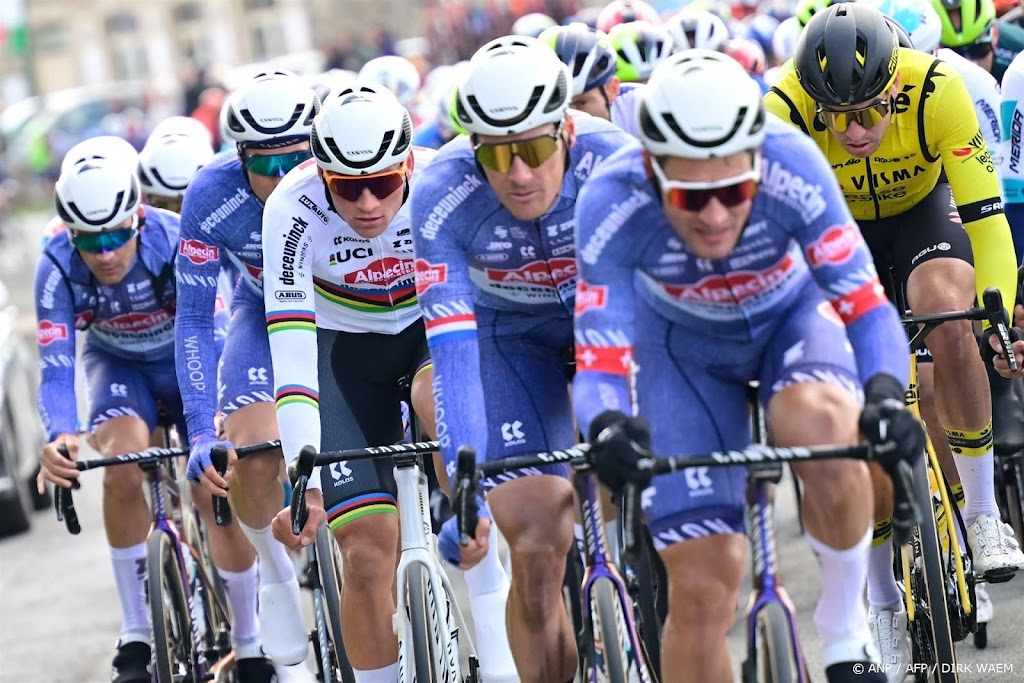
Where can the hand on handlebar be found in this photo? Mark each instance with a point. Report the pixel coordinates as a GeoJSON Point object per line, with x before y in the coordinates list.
{"type": "Point", "coordinates": [200, 466]}
{"type": "Point", "coordinates": [468, 555]}
{"type": "Point", "coordinates": [315, 516]}
{"type": "Point", "coordinates": [616, 441]}
{"type": "Point", "coordinates": [54, 467]}
{"type": "Point", "coordinates": [993, 353]}
{"type": "Point", "coordinates": [896, 434]}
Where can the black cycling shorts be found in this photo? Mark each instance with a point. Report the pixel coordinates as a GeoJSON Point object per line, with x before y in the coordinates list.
{"type": "Point", "coordinates": [361, 390]}
{"type": "Point", "coordinates": [899, 244]}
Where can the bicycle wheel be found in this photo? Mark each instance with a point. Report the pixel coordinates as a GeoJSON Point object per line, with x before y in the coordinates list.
{"type": "Point", "coordinates": [421, 614]}
{"type": "Point", "coordinates": [934, 585]}
{"type": "Point", "coordinates": [609, 630]}
{"type": "Point", "coordinates": [572, 586]}
{"type": "Point", "coordinates": [1013, 482]}
{"type": "Point", "coordinates": [172, 623]}
{"type": "Point", "coordinates": [775, 646]}
{"type": "Point", "coordinates": [329, 560]}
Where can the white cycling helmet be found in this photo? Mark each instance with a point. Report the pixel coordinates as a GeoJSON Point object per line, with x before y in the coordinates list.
{"type": "Point", "coordinates": [511, 89]}
{"type": "Point", "coordinates": [397, 74]}
{"type": "Point", "coordinates": [101, 147]}
{"type": "Point", "coordinates": [97, 194]}
{"type": "Point", "coordinates": [182, 125]}
{"type": "Point", "coordinates": [362, 130]}
{"type": "Point", "coordinates": [532, 24]}
{"type": "Point", "coordinates": [669, 124]}
{"type": "Point", "coordinates": [272, 110]}
{"type": "Point", "coordinates": [917, 17]}
{"type": "Point", "coordinates": [696, 28]}
{"type": "Point", "coordinates": [168, 163]}
{"type": "Point", "coordinates": [784, 39]}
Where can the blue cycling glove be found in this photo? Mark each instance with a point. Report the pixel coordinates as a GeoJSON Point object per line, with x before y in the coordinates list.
{"type": "Point", "coordinates": [199, 457]}
{"type": "Point", "coordinates": [448, 539]}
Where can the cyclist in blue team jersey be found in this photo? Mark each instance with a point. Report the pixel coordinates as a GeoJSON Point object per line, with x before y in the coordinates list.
{"type": "Point", "coordinates": [107, 268]}
{"type": "Point", "coordinates": [492, 221]}
{"type": "Point", "coordinates": [269, 119]}
{"type": "Point", "coordinates": [720, 254]}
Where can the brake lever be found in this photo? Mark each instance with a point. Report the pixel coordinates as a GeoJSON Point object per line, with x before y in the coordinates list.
{"type": "Point", "coordinates": [64, 501]}
{"type": "Point", "coordinates": [464, 499]}
{"type": "Point", "coordinates": [301, 470]}
{"type": "Point", "coordinates": [221, 507]}
{"type": "Point", "coordinates": [998, 319]}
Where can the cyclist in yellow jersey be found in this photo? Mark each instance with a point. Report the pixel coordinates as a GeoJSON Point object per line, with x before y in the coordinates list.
{"type": "Point", "coordinates": [899, 129]}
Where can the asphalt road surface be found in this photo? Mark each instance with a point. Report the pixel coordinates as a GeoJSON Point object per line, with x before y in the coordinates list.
{"type": "Point", "coordinates": [59, 616]}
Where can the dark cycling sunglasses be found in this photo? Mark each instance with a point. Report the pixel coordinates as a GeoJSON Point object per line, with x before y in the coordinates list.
{"type": "Point", "coordinates": [866, 117]}
{"type": "Point", "coordinates": [350, 187]}
{"type": "Point", "coordinates": [694, 196]}
{"type": "Point", "coordinates": [695, 200]}
{"type": "Point", "coordinates": [103, 242]}
{"type": "Point", "coordinates": [974, 51]}
{"type": "Point", "coordinates": [276, 165]}
{"type": "Point", "coordinates": [498, 156]}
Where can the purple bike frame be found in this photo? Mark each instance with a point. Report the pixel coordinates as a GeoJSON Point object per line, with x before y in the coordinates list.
{"type": "Point", "coordinates": [162, 523]}
{"type": "Point", "coordinates": [599, 565]}
{"type": "Point", "coordinates": [767, 588]}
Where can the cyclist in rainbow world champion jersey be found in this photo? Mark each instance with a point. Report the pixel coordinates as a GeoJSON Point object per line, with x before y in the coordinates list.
{"type": "Point", "coordinates": [902, 119]}
{"type": "Point", "coordinates": [269, 119]}
{"type": "Point", "coordinates": [496, 278]}
{"type": "Point", "coordinates": [345, 329]}
{"type": "Point", "coordinates": [688, 294]}
{"type": "Point", "coordinates": [107, 268]}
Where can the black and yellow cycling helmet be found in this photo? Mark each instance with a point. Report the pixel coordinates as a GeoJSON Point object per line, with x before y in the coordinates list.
{"type": "Point", "coordinates": [846, 54]}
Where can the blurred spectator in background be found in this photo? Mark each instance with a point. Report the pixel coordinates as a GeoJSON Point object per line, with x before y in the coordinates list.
{"type": "Point", "coordinates": [341, 54]}
{"type": "Point", "coordinates": [207, 112]}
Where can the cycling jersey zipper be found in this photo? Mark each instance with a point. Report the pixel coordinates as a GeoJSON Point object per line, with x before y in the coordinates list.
{"type": "Point", "coordinates": [376, 241]}
{"type": "Point", "coordinates": [871, 188]}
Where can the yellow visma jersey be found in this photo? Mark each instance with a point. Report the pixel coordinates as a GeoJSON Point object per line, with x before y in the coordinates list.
{"type": "Point", "coordinates": [934, 128]}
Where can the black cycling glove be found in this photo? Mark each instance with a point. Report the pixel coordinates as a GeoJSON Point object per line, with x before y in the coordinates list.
{"type": "Point", "coordinates": [615, 442]}
{"type": "Point", "coordinates": [885, 421]}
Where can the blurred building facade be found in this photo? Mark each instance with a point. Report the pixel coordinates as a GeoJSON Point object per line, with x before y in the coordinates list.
{"type": "Point", "coordinates": [72, 43]}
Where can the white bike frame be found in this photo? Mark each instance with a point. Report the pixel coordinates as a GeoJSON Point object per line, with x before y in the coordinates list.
{"type": "Point", "coordinates": [419, 546]}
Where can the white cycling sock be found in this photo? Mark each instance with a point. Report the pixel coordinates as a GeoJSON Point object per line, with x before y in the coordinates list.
{"type": "Point", "coordinates": [487, 586]}
{"type": "Point", "coordinates": [841, 616]}
{"type": "Point", "coordinates": [972, 453]}
{"type": "Point", "coordinates": [883, 593]}
{"type": "Point", "coordinates": [275, 566]}
{"type": "Point", "coordinates": [242, 588]}
{"type": "Point", "coordinates": [130, 579]}
{"type": "Point", "coordinates": [387, 674]}
{"type": "Point", "coordinates": [979, 486]}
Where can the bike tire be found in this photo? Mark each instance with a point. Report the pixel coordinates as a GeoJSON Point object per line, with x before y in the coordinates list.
{"type": "Point", "coordinates": [424, 654]}
{"type": "Point", "coordinates": [935, 578]}
{"type": "Point", "coordinates": [572, 596]}
{"type": "Point", "coordinates": [1014, 486]}
{"type": "Point", "coordinates": [775, 654]}
{"type": "Point", "coordinates": [328, 559]}
{"type": "Point", "coordinates": [606, 611]}
{"type": "Point", "coordinates": [173, 645]}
